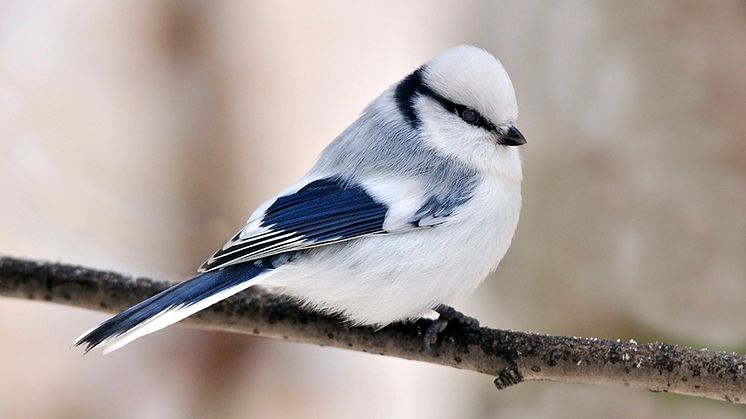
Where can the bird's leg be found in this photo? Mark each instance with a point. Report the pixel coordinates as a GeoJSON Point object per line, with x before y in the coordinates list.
{"type": "Point", "coordinates": [450, 314]}
{"type": "Point", "coordinates": [431, 335]}
{"type": "Point", "coordinates": [447, 314]}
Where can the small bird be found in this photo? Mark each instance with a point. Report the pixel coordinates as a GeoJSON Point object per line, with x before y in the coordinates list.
{"type": "Point", "coordinates": [410, 208]}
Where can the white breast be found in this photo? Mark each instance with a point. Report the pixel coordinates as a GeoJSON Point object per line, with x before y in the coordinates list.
{"type": "Point", "coordinates": [381, 279]}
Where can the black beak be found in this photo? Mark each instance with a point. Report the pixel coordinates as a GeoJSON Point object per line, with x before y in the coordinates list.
{"type": "Point", "coordinates": [512, 137]}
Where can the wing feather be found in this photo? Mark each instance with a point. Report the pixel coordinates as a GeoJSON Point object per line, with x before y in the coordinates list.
{"type": "Point", "coordinates": [323, 212]}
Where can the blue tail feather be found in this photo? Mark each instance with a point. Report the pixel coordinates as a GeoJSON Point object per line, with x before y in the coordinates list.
{"type": "Point", "coordinates": [182, 295]}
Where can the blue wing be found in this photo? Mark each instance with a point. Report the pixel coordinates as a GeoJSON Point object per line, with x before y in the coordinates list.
{"type": "Point", "coordinates": [324, 211]}
{"type": "Point", "coordinates": [437, 210]}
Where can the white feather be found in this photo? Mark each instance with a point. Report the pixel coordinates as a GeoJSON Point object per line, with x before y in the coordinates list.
{"type": "Point", "coordinates": [377, 280]}
{"type": "Point", "coordinates": [380, 279]}
{"type": "Point", "coordinates": [402, 196]}
{"type": "Point", "coordinates": [173, 315]}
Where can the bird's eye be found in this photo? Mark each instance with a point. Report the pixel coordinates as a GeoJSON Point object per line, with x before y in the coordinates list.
{"type": "Point", "coordinates": [470, 116]}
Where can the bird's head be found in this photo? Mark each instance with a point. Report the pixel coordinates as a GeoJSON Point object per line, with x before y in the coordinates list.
{"type": "Point", "coordinates": [464, 106]}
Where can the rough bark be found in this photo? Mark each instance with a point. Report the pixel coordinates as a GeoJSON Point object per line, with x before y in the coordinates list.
{"type": "Point", "coordinates": [512, 357]}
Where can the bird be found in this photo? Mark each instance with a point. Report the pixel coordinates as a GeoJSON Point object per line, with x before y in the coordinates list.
{"type": "Point", "coordinates": [410, 208]}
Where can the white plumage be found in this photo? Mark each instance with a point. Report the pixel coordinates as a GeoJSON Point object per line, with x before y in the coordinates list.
{"type": "Point", "coordinates": [381, 279]}
{"type": "Point", "coordinates": [412, 206]}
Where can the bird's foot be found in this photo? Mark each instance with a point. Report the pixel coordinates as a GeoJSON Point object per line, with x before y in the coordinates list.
{"type": "Point", "coordinates": [447, 314]}
{"type": "Point", "coordinates": [431, 335]}
{"type": "Point", "coordinates": [450, 314]}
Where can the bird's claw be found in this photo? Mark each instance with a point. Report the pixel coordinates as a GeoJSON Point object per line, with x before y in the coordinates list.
{"type": "Point", "coordinates": [452, 315]}
{"type": "Point", "coordinates": [431, 335]}
{"type": "Point", "coordinates": [447, 314]}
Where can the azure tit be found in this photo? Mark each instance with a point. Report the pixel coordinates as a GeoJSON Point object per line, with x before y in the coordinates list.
{"type": "Point", "coordinates": [409, 209]}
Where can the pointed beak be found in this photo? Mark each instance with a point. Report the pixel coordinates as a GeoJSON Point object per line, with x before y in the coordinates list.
{"type": "Point", "coordinates": [512, 137]}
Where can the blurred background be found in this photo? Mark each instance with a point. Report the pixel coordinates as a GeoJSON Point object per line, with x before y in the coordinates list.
{"type": "Point", "coordinates": [139, 135]}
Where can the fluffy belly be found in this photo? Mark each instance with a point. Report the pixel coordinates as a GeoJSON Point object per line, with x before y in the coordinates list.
{"type": "Point", "coordinates": [377, 280]}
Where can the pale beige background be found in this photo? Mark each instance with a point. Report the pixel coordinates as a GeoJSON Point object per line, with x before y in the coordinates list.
{"type": "Point", "coordinates": [138, 135]}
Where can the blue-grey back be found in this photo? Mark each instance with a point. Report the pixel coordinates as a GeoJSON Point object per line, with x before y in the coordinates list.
{"type": "Point", "coordinates": [382, 143]}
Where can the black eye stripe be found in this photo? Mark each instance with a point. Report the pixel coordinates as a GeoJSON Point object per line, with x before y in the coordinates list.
{"type": "Point", "coordinates": [414, 85]}
{"type": "Point", "coordinates": [456, 108]}
{"type": "Point", "coordinates": [405, 94]}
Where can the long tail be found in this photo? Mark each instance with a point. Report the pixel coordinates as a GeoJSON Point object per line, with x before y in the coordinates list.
{"type": "Point", "coordinates": [171, 306]}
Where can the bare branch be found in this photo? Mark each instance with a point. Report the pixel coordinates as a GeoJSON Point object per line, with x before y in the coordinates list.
{"type": "Point", "coordinates": [513, 357]}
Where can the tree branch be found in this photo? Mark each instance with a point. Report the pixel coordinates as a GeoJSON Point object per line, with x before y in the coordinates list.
{"type": "Point", "coordinates": [513, 357]}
